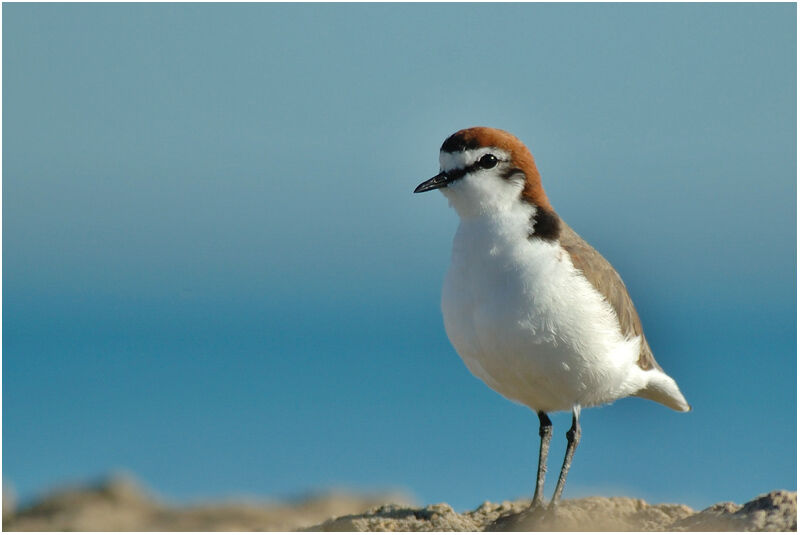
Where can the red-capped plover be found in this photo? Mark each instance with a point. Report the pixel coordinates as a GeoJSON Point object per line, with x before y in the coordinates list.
{"type": "Point", "coordinates": [532, 309]}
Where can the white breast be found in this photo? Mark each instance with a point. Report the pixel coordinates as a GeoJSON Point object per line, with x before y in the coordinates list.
{"type": "Point", "coordinates": [527, 323]}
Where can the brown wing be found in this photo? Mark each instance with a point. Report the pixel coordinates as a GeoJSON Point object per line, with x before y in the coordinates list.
{"type": "Point", "coordinates": [608, 282]}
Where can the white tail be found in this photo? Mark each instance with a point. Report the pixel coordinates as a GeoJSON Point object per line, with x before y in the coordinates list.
{"type": "Point", "coordinates": [663, 389]}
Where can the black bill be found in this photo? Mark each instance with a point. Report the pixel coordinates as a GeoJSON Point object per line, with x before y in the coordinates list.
{"type": "Point", "coordinates": [439, 181]}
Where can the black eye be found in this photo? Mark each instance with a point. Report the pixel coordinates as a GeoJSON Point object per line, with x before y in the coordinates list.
{"type": "Point", "coordinates": [487, 161]}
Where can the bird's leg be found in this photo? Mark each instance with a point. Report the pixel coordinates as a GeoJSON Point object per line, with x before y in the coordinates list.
{"type": "Point", "coordinates": [573, 437]}
{"type": "Point", "coordinates": [545, 432]}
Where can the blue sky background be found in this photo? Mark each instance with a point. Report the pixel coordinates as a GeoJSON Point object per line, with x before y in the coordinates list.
{"type": "Point", "coordinates": [215, 274]}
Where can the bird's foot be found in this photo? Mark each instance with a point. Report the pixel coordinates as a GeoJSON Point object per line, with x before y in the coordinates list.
{"type": "Point", "coordinates": [526, 520]}
{"type": "Point", "coordinates": [536, 504]}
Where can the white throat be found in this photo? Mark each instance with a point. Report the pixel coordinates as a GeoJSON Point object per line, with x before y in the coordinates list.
{"type": "Point", "coordinates": [484, 193]}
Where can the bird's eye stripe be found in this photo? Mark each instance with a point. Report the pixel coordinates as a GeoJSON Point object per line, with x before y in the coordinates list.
{"type": "Point", "coordinates": [508, 173]}
{"type": "Point", "coordinates": [455, 174]}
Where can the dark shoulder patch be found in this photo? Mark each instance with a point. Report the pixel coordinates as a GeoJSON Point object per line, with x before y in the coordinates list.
{"type": "Point", "coordinates": [459, 142]}
{"type": "Point", "coordinates": [546, 225]}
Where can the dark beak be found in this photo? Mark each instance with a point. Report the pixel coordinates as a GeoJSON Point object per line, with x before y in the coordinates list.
{"type": "Point", "coordinates": [439, 181]}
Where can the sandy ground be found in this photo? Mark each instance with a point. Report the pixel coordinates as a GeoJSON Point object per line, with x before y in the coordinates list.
{"type": "Point", "coordinates": [776, 511]}
{"type": "Point", "coordinates": [121, 505]}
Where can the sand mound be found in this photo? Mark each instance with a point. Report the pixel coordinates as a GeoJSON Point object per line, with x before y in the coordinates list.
{"type": "Point", "coordinates": [776, 511]}
{"type": "Point", "coordinates": [120, 504]}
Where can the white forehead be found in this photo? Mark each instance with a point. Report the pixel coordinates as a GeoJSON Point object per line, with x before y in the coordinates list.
{"type": "Point", "coordinates": [459, 160]}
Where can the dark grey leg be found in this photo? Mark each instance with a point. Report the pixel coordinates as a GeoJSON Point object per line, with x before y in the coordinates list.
{"type": "Point", "coordinates": [545, 433]}
{"type": "Point", "coordinates": [573, 437]}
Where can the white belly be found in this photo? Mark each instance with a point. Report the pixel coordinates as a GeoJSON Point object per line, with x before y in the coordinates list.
{"type": "Point", "coordinates": [531, 326]}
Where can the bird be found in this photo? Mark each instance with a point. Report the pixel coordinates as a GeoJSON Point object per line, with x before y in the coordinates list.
{"type": "Point", "coordinates": [533, 310]}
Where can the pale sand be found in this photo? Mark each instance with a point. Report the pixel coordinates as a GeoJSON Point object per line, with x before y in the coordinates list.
{"type": "Point", "coordinates": [122, 505]}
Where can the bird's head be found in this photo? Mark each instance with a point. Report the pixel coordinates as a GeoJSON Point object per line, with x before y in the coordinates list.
{"type": "Point", "coordinates": [485, 170]}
